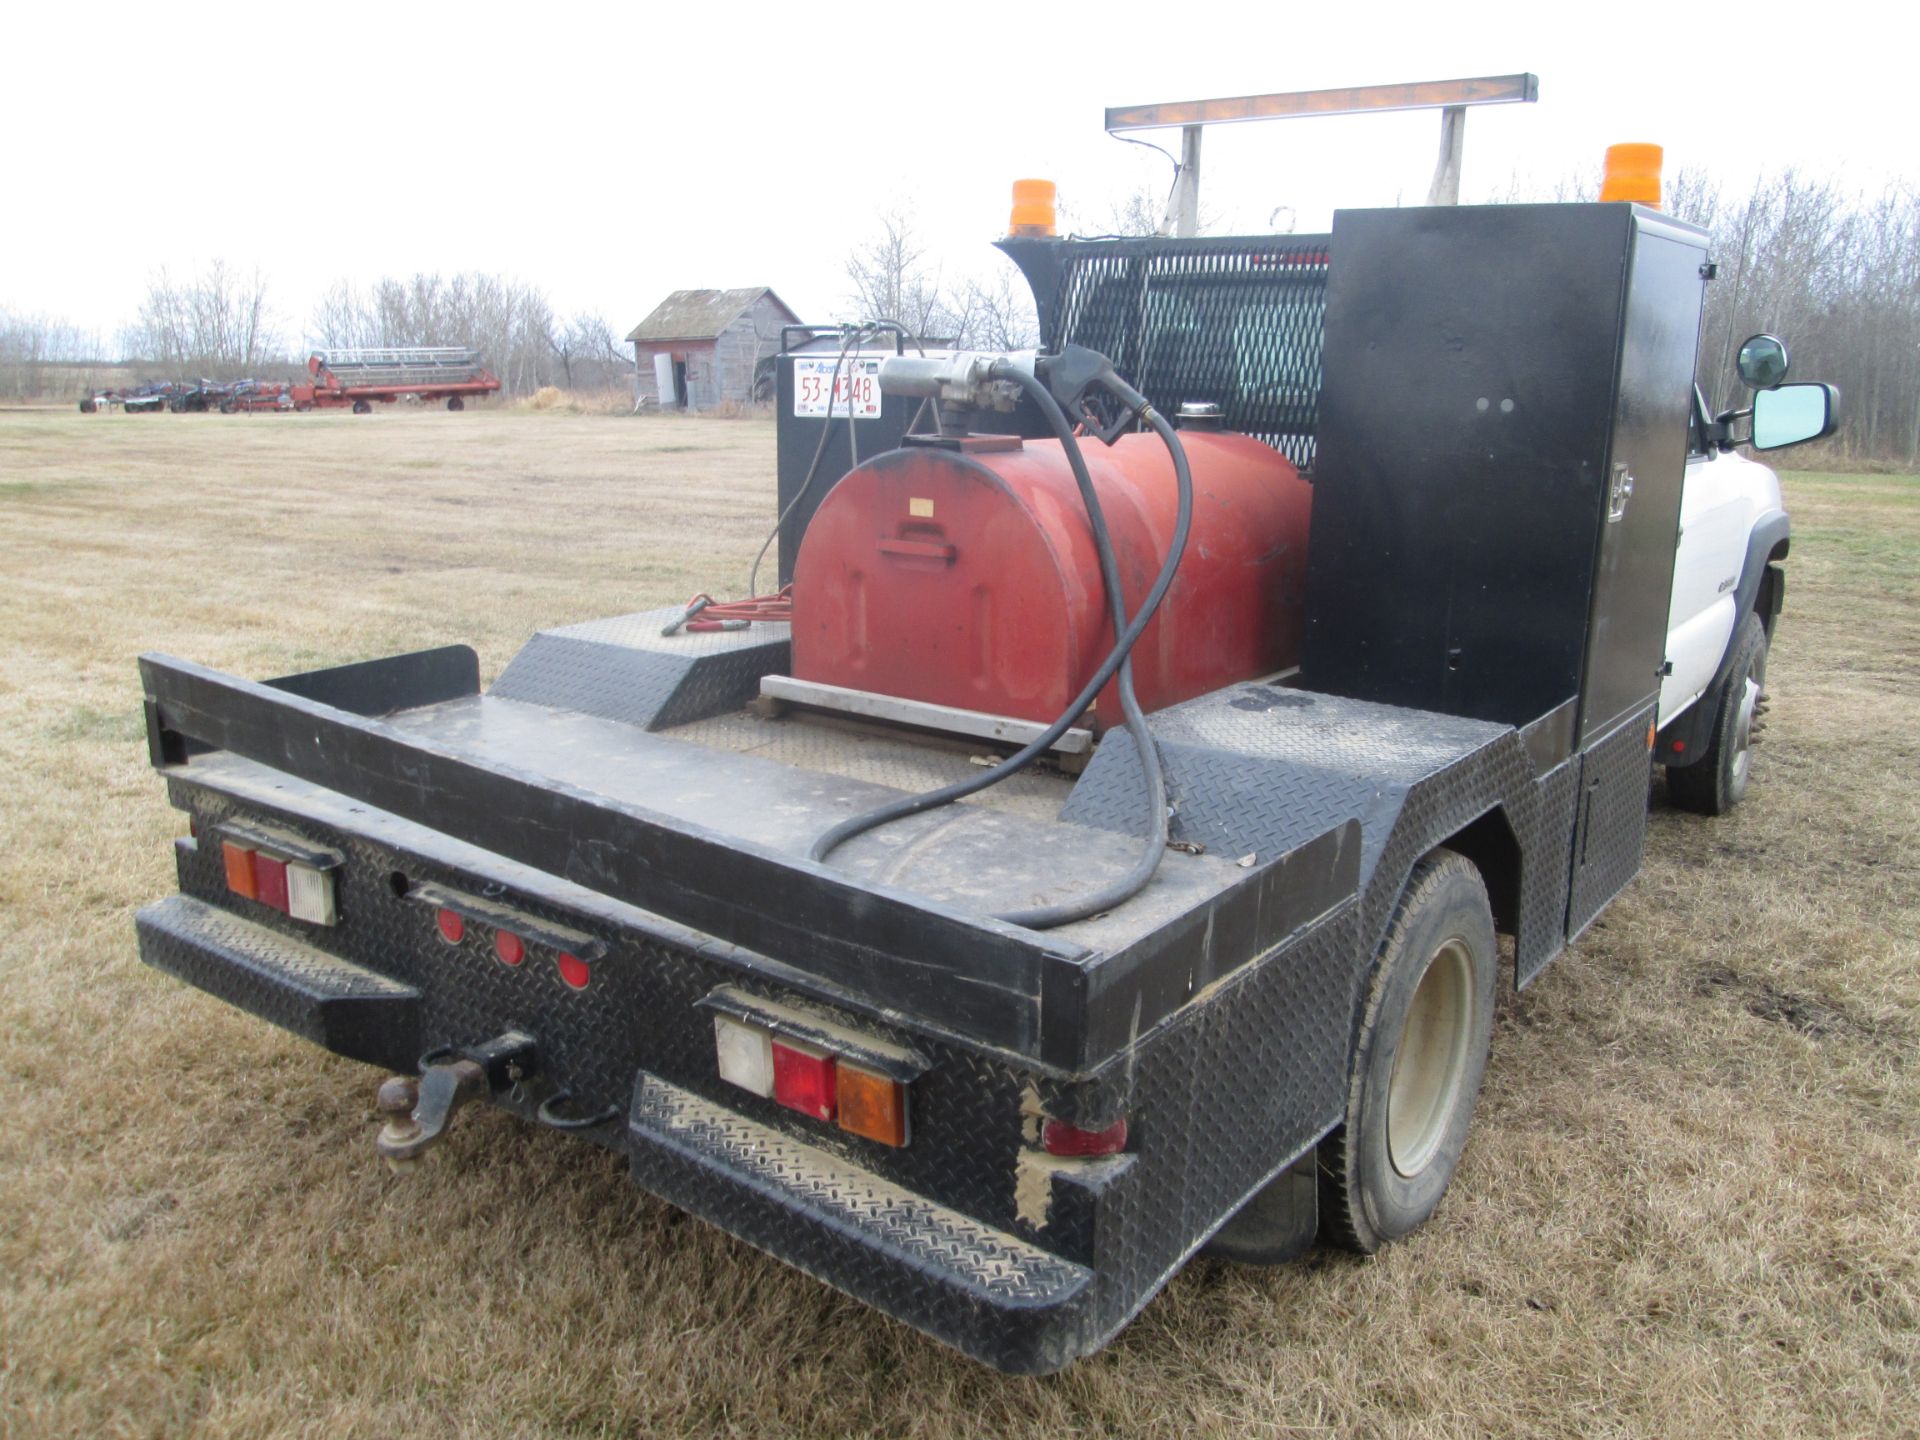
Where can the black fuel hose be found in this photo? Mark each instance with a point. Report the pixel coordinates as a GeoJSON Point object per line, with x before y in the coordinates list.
{"type": "Point", "coordinates": [854, 337]}
{"type": "Point", "coordinates": [1127, 633]}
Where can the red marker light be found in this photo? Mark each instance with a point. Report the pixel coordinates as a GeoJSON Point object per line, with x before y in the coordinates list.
{"type": "Point", "coordinates": [1060, 1138]}
{"type": "Point", "coordinates": [509, 947]}
{"type": "Point", "coordinates": [452, 927]}
{"type": "Point", "coordinates": [803, 1078]}
{"type": "Point", "coordinates": [575, 971]}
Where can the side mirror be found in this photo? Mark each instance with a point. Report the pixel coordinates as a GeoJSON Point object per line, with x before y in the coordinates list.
{"type": "Point", "coordinates": [1791, 414]}
{"type": "Point", "coordinates": [1762, 362]}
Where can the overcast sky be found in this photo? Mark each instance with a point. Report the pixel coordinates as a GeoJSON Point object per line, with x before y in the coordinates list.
{"type": "Point", "coordinates": [612, 154]}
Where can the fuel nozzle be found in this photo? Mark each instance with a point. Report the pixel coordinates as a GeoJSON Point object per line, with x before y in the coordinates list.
{"type": "Point", "coordinates": [1088, 388]}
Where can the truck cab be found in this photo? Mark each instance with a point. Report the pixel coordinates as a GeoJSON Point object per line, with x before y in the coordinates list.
{"type": "Point", "coordinates": [1728, 586]}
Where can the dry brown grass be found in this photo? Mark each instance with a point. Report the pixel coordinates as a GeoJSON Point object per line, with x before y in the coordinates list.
{"type": "Point", "coordinates": [1690, 1207]}
{"type": "Point", "coordinates": [612, 401]}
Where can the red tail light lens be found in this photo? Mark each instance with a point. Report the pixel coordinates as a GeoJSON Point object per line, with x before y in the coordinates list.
{"type": "Point", "coordinates": [270, 881]}
{"type": "Point", "coordinates": [509, 947]}
{"type": "Point", "coordinates": [575, 971]}
{"type": "Point", "coordinates": [452, 928]}
{"type": "Point", "coordinates": [1060, 1138]}
{"type": "Point", "coordinates": [803, 1078]}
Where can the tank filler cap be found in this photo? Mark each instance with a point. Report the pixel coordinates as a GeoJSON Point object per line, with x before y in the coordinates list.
{"type": "Point", "coordinates": [1198, 415]}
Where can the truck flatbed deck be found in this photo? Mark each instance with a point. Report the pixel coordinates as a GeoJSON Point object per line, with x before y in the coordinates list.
{"type": "Point", "coordinates": [657, 854]}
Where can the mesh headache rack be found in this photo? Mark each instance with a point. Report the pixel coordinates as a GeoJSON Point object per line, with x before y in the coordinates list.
{"type": "Point", "coordinates": [1236, 321]}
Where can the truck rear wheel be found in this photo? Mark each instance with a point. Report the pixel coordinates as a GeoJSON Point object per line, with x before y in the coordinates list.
{"type": "Point", "coordinates": [1717, 781]}
{"type": "Point", "coordinates": [1418, 1060]}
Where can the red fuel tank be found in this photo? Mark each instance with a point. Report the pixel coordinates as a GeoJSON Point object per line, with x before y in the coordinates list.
{"type": "Point", "coordinates": [969, 578]}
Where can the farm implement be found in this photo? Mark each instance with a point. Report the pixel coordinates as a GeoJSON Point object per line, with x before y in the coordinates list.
{"type": "Point", "coordinates": [340, 379]}
{"type": "Point", "coordinates": [363, 378]}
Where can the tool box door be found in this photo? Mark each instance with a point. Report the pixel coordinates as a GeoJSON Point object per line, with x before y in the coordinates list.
{"type": "Point", "coordinates": [1646, 467]}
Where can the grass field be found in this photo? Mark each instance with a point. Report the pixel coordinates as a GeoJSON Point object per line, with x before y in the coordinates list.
{"type": "Point", "coordinates": [1691, 1206]}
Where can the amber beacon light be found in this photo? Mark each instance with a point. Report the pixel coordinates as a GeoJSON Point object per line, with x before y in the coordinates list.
{"type": "Point", "coordinates": [1032, 208]}
{"type": "Point", "coordinates": [1633, 173]}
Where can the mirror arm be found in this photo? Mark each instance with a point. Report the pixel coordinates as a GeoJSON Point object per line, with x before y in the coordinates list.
{"type": "Point", "coordinates": [1720, 432]}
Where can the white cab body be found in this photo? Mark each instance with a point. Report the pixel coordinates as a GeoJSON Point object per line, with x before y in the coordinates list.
{"type": "Point", "coordinates": [1724, 496]}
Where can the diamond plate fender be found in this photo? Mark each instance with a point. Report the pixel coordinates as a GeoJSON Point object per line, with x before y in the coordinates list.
{"type": "Point", "coordinates": [1258, 768]}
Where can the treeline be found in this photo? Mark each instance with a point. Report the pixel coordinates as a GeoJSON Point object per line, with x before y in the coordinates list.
{"type": "Point", "coordinates": [220, 323]}
{"type": "Point", "coordinates": [42, 356]}
{"type": "Point", "coordinates": [1838, 279]}
{"type": "Point", "coordinates": [1836, 276]}
{"type": "Point", "coordinates": [215, 325]}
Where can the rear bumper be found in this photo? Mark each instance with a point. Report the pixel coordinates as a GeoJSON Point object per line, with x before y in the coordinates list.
{"type": "Point", "coordinates": [341, 1006]}
{"type": "Point", "coordinates": [992, 1295]}
{"type": "Point", "coordinates": [998, 1298]}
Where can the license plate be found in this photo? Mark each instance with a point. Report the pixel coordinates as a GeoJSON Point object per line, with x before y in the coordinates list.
{"type": "Point", "coordinates": [857, 388]}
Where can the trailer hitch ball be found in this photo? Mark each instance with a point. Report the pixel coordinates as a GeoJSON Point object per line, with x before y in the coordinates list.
{"type": "Point", "coordinates": [419, 1109]}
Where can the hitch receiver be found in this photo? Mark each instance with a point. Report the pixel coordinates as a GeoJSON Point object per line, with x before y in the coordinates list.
{"type": "Point", "coordinates": [419, 1109]}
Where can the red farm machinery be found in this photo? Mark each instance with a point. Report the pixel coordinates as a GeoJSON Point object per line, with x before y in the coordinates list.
{"type": "Point", "coordinates": [425, 373]}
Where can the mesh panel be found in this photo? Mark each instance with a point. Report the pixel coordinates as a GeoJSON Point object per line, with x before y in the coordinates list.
{"type": "Point", "coordinates": [1234, 321]}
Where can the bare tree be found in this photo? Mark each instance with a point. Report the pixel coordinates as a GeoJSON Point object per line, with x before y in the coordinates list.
{"type": "Point", "coordinates": [216, 323]}
{"type": "Point", "coordinates": [999, 314]}
{"type": "Point", "coordinates": [889, 278]}
{"type": "Point", "coordinates": [40, 354]}
{"type": "Point", "coordinates": [591, 355]}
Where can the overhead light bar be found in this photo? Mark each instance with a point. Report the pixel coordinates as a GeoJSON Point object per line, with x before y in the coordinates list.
{"type": "Point", "coordinates": [1357, 100]}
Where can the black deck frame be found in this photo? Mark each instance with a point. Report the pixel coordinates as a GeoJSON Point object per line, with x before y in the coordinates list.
{"type": "Point", "coordinates": [1021, 990]}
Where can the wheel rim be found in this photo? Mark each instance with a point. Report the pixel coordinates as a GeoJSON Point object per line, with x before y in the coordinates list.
{"type": "Point", "coordinates": [1431, 1061]}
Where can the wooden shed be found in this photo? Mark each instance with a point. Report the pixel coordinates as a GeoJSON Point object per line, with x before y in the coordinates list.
{"type": "Point", "coordinates": [716, 340]}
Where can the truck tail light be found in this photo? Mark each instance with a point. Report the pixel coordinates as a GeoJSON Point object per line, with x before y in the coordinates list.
{"type": "Point", "coordinates": [509, 947]}
{"type": "Point", "coordinates": [575, 971]}
{"type": "Point", "coordinates": [746, 1056]}
{"type": "Point", "coordinates": [292, 887]}
{"type": "Point", "coordinates": [1059, 1138]}
{"type": "Point", "coordinates": [452, 926]}
{"type": "Point", "coordinates": [871, 1104]}
{"type": "Point", "coordinates": [859, 1092]}
{"type": "Point", "coordinates": [803, 1078]}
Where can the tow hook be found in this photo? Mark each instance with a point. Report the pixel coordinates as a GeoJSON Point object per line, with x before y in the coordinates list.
{"type": "Point", "coordinates": [418, 1109]}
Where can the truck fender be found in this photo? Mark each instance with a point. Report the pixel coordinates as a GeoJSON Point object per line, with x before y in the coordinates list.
{"type": "Point", "coordinates": [1770, 533]}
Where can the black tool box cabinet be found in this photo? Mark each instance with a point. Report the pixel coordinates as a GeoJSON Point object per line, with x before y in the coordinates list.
{"type": "Point", "coordinates": [1502, 442]}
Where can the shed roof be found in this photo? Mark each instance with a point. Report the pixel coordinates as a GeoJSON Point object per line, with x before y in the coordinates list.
{"type": "Point", "coordinates": [702, 314]}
